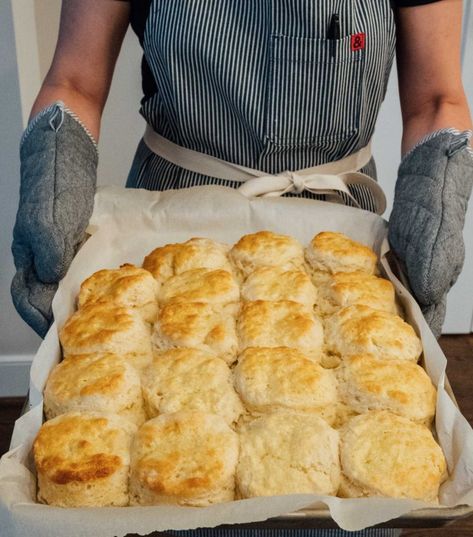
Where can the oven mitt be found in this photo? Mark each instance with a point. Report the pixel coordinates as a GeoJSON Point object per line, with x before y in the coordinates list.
{"type": "Point", "coordinates": [58, 179]}
{"type": "Point", "coordinates": [426, 225]}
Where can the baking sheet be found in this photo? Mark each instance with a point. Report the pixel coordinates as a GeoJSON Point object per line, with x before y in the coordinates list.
{"type": "Point", "coordinates": [126, 225]}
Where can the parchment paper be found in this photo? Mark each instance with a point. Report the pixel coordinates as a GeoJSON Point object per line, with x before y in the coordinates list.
{"type": "Point", "coordinates": [125, 226]}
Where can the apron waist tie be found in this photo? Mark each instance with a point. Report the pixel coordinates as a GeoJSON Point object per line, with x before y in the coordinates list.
{"type": "Point", "coordinates": [330, 179]}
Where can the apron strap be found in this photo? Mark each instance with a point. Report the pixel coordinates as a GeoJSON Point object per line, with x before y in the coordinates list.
{"type": "Point", "coordinates": [331, 179]}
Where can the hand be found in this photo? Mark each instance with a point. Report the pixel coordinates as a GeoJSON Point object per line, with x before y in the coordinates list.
{"type": "Point", "coordinates": [426, 225]}
{"type": "Point", "coordinates": [58, 178]}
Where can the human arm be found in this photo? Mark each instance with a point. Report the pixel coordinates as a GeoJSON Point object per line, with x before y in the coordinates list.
{"type": "Point", "coordinates": [436, 174]}
{"type": "Point", "coordinates": [89, 41]}
{"type": "Point", "coordinates": [429, 70]}
{"type": "Point", "coordinates": [58, 153]}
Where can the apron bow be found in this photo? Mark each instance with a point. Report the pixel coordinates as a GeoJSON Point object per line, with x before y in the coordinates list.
{"type": "Point", "coordinates": [317, 183]}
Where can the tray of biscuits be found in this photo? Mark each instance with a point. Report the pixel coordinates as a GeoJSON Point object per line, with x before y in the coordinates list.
{"type": "Point", "coordinates": [267, 381]}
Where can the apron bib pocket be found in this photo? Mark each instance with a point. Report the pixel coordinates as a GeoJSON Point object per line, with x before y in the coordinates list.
{"type": "Point", "coordinates": [314, 90]}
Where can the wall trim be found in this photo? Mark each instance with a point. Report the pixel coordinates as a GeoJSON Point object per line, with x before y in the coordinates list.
{"type": "Point", "coordinates": [14, 374]}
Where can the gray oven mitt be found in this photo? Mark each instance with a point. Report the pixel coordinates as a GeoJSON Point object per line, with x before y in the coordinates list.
{"type": "Point", "coordinates": [426, 225]}
{"type": "Point", "coordinates": [58, 178]}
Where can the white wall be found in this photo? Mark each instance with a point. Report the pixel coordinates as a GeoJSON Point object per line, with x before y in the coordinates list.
{"type": "Point", "coordinates": [36, 31]}
{"type": "Point", "coordinates": [15, 337]}
{"type": "Point", "coordinates": [460, 299]}
{"type": "Point", "coordinates": [462, 293]}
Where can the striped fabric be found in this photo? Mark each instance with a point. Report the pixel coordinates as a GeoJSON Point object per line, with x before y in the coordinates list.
{"type": "Point", "coordinates": [258, 83]}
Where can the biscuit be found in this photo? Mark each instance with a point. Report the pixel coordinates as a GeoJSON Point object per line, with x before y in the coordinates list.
{"type": "Point", "coordinates": [186, 458]}
{"type": "Point", "coordinates": [288, 453]}
{"type": "Point", "coordinates": [104, 327]}
{"type": "Point", "coordinates": [383, 454]}
{"type": "Point", "coordinates": [348, 288]}
{"type": "Point", "coordinates": [275, 283]}
{"type": "Point", "coordinates": [361, 329]}
{"type": "Point", "coordinates": [402, 387]}
{"type": "Point", "coordinates": [172, 259]}
{"type": "Point", "coordinates": [283, 379]}
{"type": "Point", "coordinates": [128, 286]}
{"type": "Point", "coordinates": [198, 325]}
{"type": "Point", "coordinates": [82, 460]}
{"type": "Point", "coordinates": [94, 382]}
{"type": "Point", "coordinates": [335, 252]}
{"type": "Point", "coordinates": [201, 285]}
{"type": "Point", "coordinates": [189, 379]}
{"type": "Point", "coordinates": [280, 324]}
{"type": "Point", "coordinates": [266, 249]}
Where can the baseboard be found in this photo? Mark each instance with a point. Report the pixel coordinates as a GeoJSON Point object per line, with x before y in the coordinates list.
{"type": "Point", "coordinates": [14, 374]}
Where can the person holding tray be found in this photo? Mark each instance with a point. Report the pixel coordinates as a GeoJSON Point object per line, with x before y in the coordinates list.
{"type": "Point", "coordinates": [289, 90]}
{"type": "Point", "coordinates": [272, 97]}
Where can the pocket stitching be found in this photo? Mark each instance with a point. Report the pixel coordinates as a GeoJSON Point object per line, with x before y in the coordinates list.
{"type": "Point", "coordinates": [295, 142]}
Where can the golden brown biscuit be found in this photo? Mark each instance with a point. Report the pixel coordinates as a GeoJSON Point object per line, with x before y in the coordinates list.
{"type": "Point", "coordinates": [403, 388]}
{"type": "Point", "coordinates": [172, 259]}
{"type": "Point", "coordinates": [94, 382]}
{"type": "Point", "coordinates": [361, 329]}
{"type": "Point", "coordinates": [104, 327]}
{"type": "Point", "coordinates": [277, 379]}
{"type": "Point", "coordinates": [335, 252]}
{"type": "Point", "coordinates": [275, 283]}
{"type": "Point", "coordinates": [288, 453]}
{"type": "Point", "coordinates": [201, 285]}
{"type": "Point", "coordinates": [348, 288]}
{"type": "Point", "coordinates": [266, 249]}
{"type": "Point", "coordinates": [202, 326]}
{"type": "Point", "coordinates": [186, 458]}
{"type": "Point", "coordinates": [280, 324]}
{"type": "Point", "coordinates": [82, 460]}
{"type": "Point", "coordinates": [128, 286]}
{"type": "Point", "coordinates": [387, 455]}
{"type": "Point", "coordinates": [189, 379]}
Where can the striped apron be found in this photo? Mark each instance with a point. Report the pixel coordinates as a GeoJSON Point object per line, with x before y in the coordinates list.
{"type": "Point", "coordinates": [260, 84]}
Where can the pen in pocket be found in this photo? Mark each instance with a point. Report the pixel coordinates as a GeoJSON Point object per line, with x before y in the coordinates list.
{"type": "Point", "coordinates": [334, 32]}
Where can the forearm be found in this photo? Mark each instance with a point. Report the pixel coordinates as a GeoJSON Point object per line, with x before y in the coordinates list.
{"type": "Point", "coordinates": [86, 108]}
{"type": "Point", "coordinates": [429, 70]}
{"type": "Point", "coordinates": [436, 114]}
{"type": "Point", "coordinates": [90, 37]}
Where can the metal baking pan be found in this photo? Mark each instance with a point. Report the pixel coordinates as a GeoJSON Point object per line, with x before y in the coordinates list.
{"type": "Point", "coordinates": [320, 518]}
